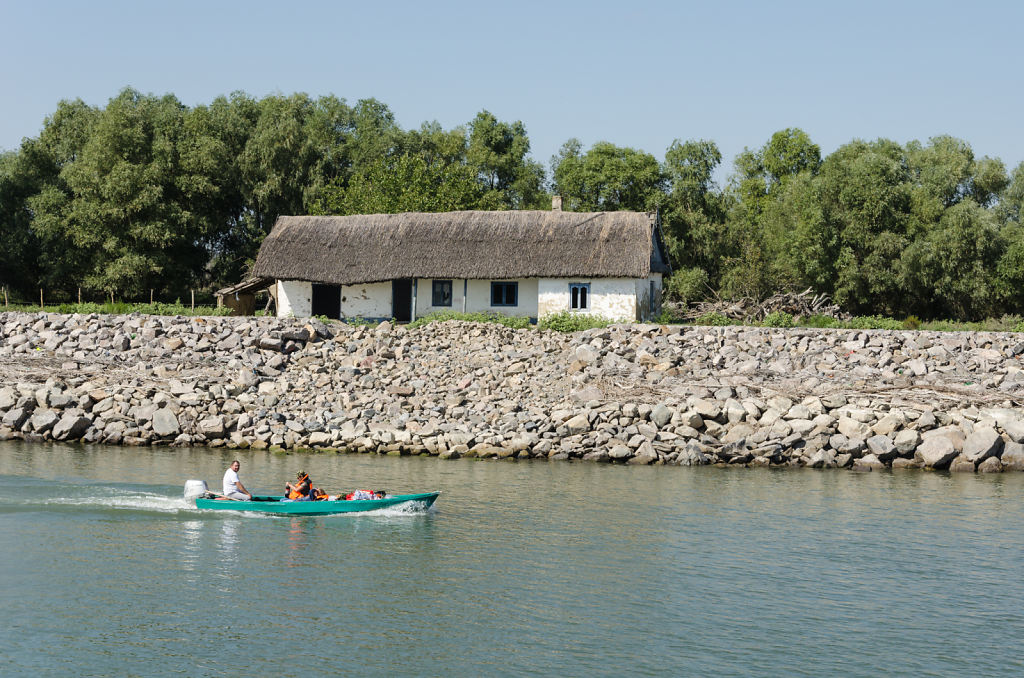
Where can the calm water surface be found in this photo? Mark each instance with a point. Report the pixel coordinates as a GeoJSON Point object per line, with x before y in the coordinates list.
{"type": "Point", "coordinates": [520, 569]}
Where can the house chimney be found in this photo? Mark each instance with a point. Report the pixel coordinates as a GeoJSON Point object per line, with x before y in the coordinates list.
{"type": "Point", "coordinates": [556, 203]}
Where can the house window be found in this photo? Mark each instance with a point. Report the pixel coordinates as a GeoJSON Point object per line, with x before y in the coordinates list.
{"type": "Point", "coordinates": [579, 296]}
{"type": "Point", "coordinates": [504, 294]}
{"type": "Point", "coordinates": [442, 293]}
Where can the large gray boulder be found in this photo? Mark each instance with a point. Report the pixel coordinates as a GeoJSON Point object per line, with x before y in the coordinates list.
{"type": "Point", "coordinates": [936, 452]}
{"type": "Point", "coordinates": [578, 424]}
{"type": "Point", "coordinates": [1015, 429]}
{"type": "Point", "coordinates": [44, 420]}
{"type": "Point", "coordinates": [982, 444]}
{"type": "Point", "coordinates": [882, 447]}
{"type": "Point", "coordinates": [620, 452]}
{"type": "Point", "coordinates": [661, 415]}
{"type": "Point", "coordinates": [906, 441]}
{"type": "Point", "coordinates": [72, 425]}
{"type": "Point", "coordinates": [645, 454]}
{"type": "Point", "coordinates": [15, 417]}
{"type": "Point", "coordinates": [8, 398]}
{"type": "Point", "coordinates": [165, 424]}
{"type": "Point", "coordinates": [1013, 457]}
{"type": "Point", "coordinates": [212, 427]}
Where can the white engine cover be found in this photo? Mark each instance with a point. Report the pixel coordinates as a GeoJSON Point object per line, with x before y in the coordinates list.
{"type": "Point", "coordinates": [195, 489]}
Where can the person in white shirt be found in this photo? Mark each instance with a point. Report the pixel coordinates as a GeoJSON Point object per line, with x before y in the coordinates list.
{"type": "Point", "coordinates": [233, 487]}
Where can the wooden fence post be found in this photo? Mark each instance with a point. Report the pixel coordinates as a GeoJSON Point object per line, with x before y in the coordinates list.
{"type": "Point", "coordinates": [40, 297]}
{"type": "Point", "coordinates": [150, 296]}
{"type": "Point", "coordinates": [79, 296]}
{"type": "Point", "coordinates": [193, 301]}
{"type": "Point", "coordinates": [5, 297]}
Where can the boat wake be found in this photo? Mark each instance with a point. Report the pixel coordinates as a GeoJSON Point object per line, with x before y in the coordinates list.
{"type": "Point", "coordinates": [409, 508]}
{"type": "Point", "coordinates": [112, 498]}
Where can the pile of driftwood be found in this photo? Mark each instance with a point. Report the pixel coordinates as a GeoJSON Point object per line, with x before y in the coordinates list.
{"type": "Point", "coordinates": [798, 305]}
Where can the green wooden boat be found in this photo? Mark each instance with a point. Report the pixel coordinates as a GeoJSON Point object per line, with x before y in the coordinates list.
{"type": "Point", "coordinates": [277, 505]}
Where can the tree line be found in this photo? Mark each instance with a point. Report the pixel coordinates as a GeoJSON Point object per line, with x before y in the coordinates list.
{"type": "Point", "coordinates": [146, 193]}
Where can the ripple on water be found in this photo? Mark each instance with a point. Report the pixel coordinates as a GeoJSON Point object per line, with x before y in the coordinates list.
{"type": "Point", "coordinates": [520, 569]}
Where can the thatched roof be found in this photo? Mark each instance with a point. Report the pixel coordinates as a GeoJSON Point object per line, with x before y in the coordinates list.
{"type": "Point", "coordinates": [489, 245]}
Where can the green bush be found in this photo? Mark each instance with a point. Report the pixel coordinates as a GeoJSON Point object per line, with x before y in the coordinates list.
{"type": "Point", "coordinates": [515, 323]}
{"type": "Point", "coordinates": [667, 317]}
{"type": "Point", "coordinates": [360, 322]}
{"type": "Point", "coordinates": [688, 284]}
{"type": "Point", "coordinates": [572, 322]}
{"type": "Point", "coordinates": [820, 321]}
{"type": "Point", "coordinates": [873, 322]}
{"type": "Point", "coordinates": [125, 308]}
{"type": "Point", "coordinates": [912, 323]}
{"type": "Point", "coordinates": [715, 320]}
{"type": "Point", "coordinates": [778, 319]}
{"type": "Point", "coordinates": [1019, 327]}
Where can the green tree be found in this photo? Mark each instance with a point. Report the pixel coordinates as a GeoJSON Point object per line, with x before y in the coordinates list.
{"type": "Point", "coordinates": [754, 235]}
{"type": "Point", "coordinates": [406, 183]}
{"type": "Point", "coordinates": [865, 194]}
{"type": "Point", "coordinates": [948, 271]}
{"type": "Point", "coordinates": [214, 138]}
{"type": "Point", "coordinates": [128, 212]}
{"type": "Point", "coordinates": [19, 247]}
{"type": "Point", "coordinates": [694, 216]}
{"type": "Point", "coordinates": [607, 178]}
{"type": "Point", "coordinates": [498, 151]}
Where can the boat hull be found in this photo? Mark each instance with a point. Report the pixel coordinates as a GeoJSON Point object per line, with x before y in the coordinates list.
{"type": "Point", "coordinates": [275, 505]}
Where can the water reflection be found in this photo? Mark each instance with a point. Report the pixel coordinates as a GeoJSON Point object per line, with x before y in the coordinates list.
{"type": "Point", "coordinates": [227, 547]}
{"type": "Point", "coordinates": [191, 532]}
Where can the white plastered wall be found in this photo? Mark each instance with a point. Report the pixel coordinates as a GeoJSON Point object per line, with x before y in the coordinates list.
{"type": "Point", "coordinates": [648, 308]}
{"type": "Point", "coordinates": [478, 298]}
{"type": "Point", "coordinates": [425, 295]}
{"type": "Point", "coordinates": [294, 298]}
{"type": "Point", "coordinates": [366, 300]}
{"type": "Point", "coordinates": [614, 298]}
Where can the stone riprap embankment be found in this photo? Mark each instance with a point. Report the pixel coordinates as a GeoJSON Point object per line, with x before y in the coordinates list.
{"type": "Point", "coordinates": [638, 394]}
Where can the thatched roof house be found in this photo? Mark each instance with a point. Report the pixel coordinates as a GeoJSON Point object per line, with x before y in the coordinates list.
{"type": "Point", "coordinates": [501, 245]}
{"type": "Point", "coordinates": [375, 261]}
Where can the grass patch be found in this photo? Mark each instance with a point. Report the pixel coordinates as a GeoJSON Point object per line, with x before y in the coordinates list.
{"type": "Point", "coordinates": [515, 323]}
{"type": "Point", "coordinates": [123, 308]}
{"type": "Point", "coordinates": [573, 322]}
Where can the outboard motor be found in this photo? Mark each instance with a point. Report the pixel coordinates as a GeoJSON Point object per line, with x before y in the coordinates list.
{"type": "Point", "coordinates": [195, 489]}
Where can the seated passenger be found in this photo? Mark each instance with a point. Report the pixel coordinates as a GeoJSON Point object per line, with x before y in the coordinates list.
{"type": "Point", "coordinates": [301, 489]}
{"type": "Point", "coordinates": [366, 494]}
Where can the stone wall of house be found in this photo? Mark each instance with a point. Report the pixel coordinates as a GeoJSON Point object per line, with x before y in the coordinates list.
{"type": "Point", "coordinates": [638, 394]}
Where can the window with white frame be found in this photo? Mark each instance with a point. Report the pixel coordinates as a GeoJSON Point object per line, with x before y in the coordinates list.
{"type": "Point", "coordinates": [579, 296]}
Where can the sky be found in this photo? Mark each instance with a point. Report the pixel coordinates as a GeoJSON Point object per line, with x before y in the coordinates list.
{"type": "Point", "coordinates": [635, 73]}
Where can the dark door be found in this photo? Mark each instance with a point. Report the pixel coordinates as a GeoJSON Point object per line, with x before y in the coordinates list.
{"type": "Point", "coordinates": [401, 299]}
{"type": "Point", "coordinates": [327, 300]}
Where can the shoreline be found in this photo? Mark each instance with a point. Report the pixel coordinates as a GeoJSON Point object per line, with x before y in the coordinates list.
{"type": "Point", "coordinates": [635, 394]}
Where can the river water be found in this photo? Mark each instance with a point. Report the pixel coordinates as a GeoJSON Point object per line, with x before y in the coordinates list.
{"type": "Point", "coordinates": [519, 569]}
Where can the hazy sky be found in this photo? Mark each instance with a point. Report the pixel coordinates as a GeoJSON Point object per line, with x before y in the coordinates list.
{"type": "Point", "coordinates": [636, 74]}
